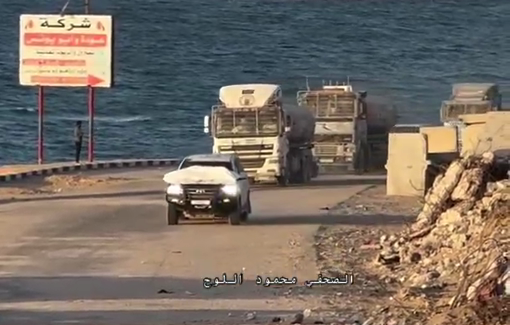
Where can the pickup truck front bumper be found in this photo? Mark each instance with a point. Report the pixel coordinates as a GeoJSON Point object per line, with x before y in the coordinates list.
{"type": "Point", "coordinates": [219, 204]}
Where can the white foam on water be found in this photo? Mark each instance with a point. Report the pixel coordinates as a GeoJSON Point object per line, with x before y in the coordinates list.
{"type": "Point", "coordinates": [107, 119]}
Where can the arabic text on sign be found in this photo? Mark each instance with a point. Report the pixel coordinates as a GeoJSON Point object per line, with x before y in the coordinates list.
{"type": "Point", "coordinates": [59, 80]}
{"type": "Point", "coordinates": [45, 70]}
{"type": "Point", "coordinates": [62, 24]}
{"type": "Point", "coordinates": [68, 40]}
{"type": "Point", "coordinates": [53, 62]}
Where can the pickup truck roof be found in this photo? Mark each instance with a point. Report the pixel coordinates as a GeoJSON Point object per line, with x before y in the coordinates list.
{"type": "Point", "coordinates": [216, 157]}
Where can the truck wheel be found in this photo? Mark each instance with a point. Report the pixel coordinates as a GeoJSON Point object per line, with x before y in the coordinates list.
{"type": "Point", "coordinates": [358, 169]}
{"type": "Point", "coordinates": [307, 176]}
{"type": "Point", "coordinates": [234, 219]}
{"type": "Point", "coordinates": [368, 159]}
{"type": "Point", "coordinates": [283, 180]}
{"type": "Point", "coordinates": [359, 164]}
{"type": "Point", "coordinates": [306, 172]}
{"type": "Point", "coordinates": [315, 169]}
{"type": "Point", "coordinates": [299, 176]}
{"type": "Point", "coordinates": [172, 214]}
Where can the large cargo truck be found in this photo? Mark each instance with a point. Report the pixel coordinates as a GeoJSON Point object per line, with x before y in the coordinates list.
{"type": "Point", "coordinates": [274, 143]}
{"type": "Point", "coordinates": [467, 99]}
{"type": "Point", "coordinates": [351, 132]}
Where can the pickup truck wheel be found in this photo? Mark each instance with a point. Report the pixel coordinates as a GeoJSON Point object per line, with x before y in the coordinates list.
{"type": "Point", "coordinates": [234, 218]}
{"type": "Point", "coordinates": [172, 215]}
{"type": "Point", "coordinates": [244, 216]}
{"type": "Point", "coordinates": [247, 210]}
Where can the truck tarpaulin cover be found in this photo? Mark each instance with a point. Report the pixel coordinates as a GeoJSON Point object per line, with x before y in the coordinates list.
{"type": "Point", "coordinates": [201, 175]}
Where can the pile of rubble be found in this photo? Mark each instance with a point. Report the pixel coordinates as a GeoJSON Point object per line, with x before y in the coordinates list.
{"type": "Point", "coordinates": [455, 258]}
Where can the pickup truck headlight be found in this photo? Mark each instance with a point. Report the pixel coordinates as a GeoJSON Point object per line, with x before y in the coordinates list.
{"type": "Point", "coordinates": [230, 190]}
{"type": "Point", "coordinates": [174, 189]}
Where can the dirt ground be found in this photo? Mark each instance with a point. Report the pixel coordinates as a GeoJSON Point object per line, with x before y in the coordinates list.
{"type": "Point", "coordinates": [352, 249]}
{"type": "Point", "coordinates": [426, 285]}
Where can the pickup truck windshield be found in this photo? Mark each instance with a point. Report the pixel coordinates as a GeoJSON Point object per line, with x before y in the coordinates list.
{"type": "Point", "coordinates": [188, 163]}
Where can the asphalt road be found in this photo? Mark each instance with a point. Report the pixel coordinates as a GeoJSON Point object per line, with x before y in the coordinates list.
{"type": "Point", "coordinates": [101, 255]}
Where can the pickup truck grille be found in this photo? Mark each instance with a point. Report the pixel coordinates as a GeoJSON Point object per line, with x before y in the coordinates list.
{"type": "Point", "coordinates": [201, 191]}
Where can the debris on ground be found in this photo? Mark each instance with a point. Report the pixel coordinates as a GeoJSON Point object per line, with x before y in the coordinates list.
{"type": "Point", "coordinates": [250, 316]}
{"type": "Point", "coordinates": [455, 258]}
{"type": "Point", "coordinates": [450, 264]}
{"type": "Point", "coordinates": [57, 181]}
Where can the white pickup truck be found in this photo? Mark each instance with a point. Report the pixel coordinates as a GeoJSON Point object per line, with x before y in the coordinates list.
{"type": "Point", "coordinates": [208, 186]}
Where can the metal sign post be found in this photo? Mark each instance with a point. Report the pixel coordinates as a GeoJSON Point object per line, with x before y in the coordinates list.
{"type": "Point", "coordinates": [84, 59]}
{"type": "Point", "coordinates": [91, 106]}
{"type": "Point", "coordinates": [40, 137]}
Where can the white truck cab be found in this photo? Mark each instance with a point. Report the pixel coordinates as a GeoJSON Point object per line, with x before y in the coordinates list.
{"type": "Point", "coordinates": [274, 143]}
{"type": "Point", "coordinates": [208, 185]}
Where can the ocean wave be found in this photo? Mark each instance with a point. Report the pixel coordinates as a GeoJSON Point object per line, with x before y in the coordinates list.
{"type": "Point", "coordinates": [18, 109]}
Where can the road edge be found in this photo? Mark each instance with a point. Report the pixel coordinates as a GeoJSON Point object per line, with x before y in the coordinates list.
{"type": "Point", "coordinates": [89, 167]}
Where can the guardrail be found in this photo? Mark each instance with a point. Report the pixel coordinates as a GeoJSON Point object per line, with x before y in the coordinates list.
{"type": "Point", "coordinates": [46, 171]}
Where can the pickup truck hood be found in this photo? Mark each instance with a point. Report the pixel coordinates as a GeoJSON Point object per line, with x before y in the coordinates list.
{"type": "Point", "coordinates": [201, 175]}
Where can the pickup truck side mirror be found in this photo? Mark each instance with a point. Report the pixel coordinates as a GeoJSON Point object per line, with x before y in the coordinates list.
{"type": "Point", "coordinates": [242, 176]}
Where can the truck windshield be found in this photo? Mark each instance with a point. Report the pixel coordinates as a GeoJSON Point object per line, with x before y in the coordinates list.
{"type": "Point", "coordinates": [246, 122]}
{"type": "Point", "coordinates": [330, 106]}
{"type": "Point", "coordinates": [333, 138]}
{"type": "Point", "coordinates": [451, 111]}
{"type": "Point", "coordinates": [188, 163]}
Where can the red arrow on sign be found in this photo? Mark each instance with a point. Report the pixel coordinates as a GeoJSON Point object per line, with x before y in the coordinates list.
{"type": "Point", "coordinates": [90, 80]}
{"type": "Point", "coordinates": [93, 80]}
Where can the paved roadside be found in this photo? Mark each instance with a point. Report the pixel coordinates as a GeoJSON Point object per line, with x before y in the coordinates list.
{"type": "Point", "coordinates": [105, 260]}
{"type": "Point", "coordinates": [15, 172]}
{"type": "Point", "coordinates": [16, 169]}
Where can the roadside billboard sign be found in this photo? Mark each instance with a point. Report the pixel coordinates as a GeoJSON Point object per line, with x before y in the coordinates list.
{"type": "Point", "coordinates": [66, 51]}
